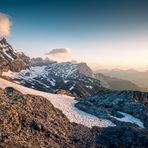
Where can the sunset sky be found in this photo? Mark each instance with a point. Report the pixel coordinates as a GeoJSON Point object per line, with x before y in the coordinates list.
{"type": "Point", "coordinates": [103, 33]}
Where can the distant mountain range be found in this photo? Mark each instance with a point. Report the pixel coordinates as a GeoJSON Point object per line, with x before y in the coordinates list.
{"type": "Point", "coordinates": [117, 84]}
{"type": "Point", "coordinates": [50, 76]}
{"type": "Point", "coordinates": [137, 77]}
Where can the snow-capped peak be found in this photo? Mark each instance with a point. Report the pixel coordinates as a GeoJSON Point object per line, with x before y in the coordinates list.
{"type": "Point", "coordinates": [9, 59]}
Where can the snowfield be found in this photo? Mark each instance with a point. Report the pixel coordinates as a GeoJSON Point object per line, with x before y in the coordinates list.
{"type": "Point", "coordinates": [64, 103]}
{"type": "Point", "coordinates": [130, 118]}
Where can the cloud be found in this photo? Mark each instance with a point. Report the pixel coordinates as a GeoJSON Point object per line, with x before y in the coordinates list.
{"type": "Point", "coordinates": [59, 52]}
{"type": "Point", "coordinates": [5, 25]}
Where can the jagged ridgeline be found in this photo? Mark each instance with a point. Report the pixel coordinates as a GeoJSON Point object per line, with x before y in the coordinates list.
{"type": "Point", "coordinates": [10, 59]}
{"type": "Point", "coordinates": [47, 75]}
{"type": "Point", "coordinates": [74, 79]}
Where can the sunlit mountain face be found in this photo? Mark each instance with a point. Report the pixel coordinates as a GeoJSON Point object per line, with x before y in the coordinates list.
{"type": "Point", "coordinates": [73, 73]}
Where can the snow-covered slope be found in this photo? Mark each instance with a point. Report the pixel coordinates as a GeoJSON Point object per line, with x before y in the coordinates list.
{"type": "Point", "coordinates": [130, 118]}
{"type": "Point", "coordinates": [70, 70]}
{"type": "Point", "coordinates": [6, 50]}
{"type": "Point", "coordinates": [64, 103]}
{"type": "Point", "coordinates": [74, 78]}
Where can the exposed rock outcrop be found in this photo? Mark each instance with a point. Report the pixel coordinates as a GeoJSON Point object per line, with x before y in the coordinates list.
{"type": "Point", "coordinates": [109, 104]}
{"type": "Point", "coordinates": [32, 121]}
{"type": "Point", "coordinates": [11, 60]}
{"type": "Point", "coordinates": [64, 92]}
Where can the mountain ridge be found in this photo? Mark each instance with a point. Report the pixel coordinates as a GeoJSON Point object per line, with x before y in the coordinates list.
{"type": "Point", "coordinates": [138, 77]}
{"type": "Point", "coordinates": [74, 79]}
{"type": "Point", "coordinates": [116, 83]}
{"type": "Point", "coordinates": [11, 60]}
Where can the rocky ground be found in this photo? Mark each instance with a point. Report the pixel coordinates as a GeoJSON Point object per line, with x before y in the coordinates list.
{"type": "Point", "coordinates": [31, 121]}
{"type": "Point", "coordinates": [108, 105]}
{"type": "Point", "coordinates": [28, 121]}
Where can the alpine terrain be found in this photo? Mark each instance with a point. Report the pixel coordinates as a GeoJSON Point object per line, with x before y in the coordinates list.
{"type": "Point", "coordinates": [44, 104]}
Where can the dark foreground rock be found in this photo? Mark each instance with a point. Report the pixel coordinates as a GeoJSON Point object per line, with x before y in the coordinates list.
{"type": "Point", "coordinates": [32, 121]}
{"type": "Point", "coordinates": [28, 121]}
{"type": "Point", "coordinates": [121, 137]}
{"type": "Point", "coordinates": [107, 104]}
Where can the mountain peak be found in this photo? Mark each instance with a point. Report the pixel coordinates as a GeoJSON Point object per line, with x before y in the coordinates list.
{"type": "Point", "coordinates": [85, 69]}
{"type": "Point", "coordinates": [9, 59]}
{"type": "Point", "coordinates": [3, 41]}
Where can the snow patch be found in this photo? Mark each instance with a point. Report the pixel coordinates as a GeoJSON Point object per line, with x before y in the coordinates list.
{"type": "Point", "coordinates": [27, 74]}
{"type": "Point", "coordinates": [89, 87]}
{"type": "Point", "coordinates": [5, 50]}
{"type": "Point", "coordinates": [130, 118]}
{"type": "Point", "coordinates": [64, 103]}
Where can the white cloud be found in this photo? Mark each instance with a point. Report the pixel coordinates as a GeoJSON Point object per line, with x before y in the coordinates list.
{"type": "Point", "coordinates": [59, 53]}
{"type": "Point", "coordinates": [5, 25]}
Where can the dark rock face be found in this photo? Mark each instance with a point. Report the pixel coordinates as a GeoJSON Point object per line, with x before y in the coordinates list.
{"type": "Point", "coordinates": [10, 60]}
{"type": "Point", "coordinates": [74, 78]}
{"type": "Point", "coordinates": [121, 137]}
{"type": "Point", "coordinates": [24, 58]}
{"type": "Point", "coordinates": [18, 65]}
{"type": "Point", "coordinates": [106, 104]}
{"type": "Point", "coordinates": [28, 121]}
{"type": "Point", "coordinates": [9, 90]}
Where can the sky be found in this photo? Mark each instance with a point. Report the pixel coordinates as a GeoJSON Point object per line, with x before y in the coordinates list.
{"type": "Point", "coordinates": [104, 33]}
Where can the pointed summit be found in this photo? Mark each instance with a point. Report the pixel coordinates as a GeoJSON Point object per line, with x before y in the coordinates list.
{"type": "Point", "coordinates": [3, 41]}
{"type": "Point", "coordinates": [9, 59]}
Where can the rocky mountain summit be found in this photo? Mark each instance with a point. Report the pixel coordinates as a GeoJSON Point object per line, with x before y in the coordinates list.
{"type": "Point", "coordinates": [11, 60]}
{"type": "Point", "coordinates": [76, 79]}
{"type": "Point", "coordinates": [32, 121]}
